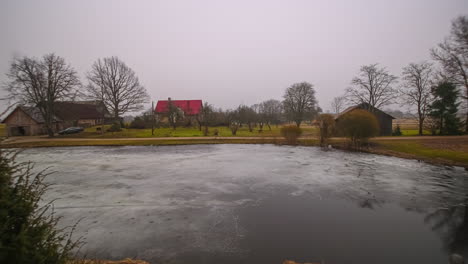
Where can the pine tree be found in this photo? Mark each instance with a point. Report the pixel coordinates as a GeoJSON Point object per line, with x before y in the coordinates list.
{"type": "Point", "coordinates": [445, 107]}
{"type": "Point", "coordinates": [28, 233]}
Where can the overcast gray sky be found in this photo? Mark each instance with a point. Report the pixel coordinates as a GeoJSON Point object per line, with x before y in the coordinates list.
{"type": "Point", "coordinates": [230, 52]}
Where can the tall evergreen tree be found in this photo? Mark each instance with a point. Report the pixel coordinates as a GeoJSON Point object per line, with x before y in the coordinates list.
{"type": "Point", "coordinates": [445, 107]}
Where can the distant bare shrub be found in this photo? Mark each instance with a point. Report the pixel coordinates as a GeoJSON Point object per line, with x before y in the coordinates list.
{"type": "Point", "coordinates": [359, 125]}
{"type": "Point", "coordinates": [291, 133]}
{"type": "Point", "coordinates": [116, 127]}
{"type": "Point", "coordinates": [234, 128]}
{"type": "Point", "coordinates": [326, 125]}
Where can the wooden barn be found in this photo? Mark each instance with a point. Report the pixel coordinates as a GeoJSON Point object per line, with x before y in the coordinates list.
{"type": "Point", "coordinates": [385, 120]}
{"type": "Point", "coordinates": [28, 121]}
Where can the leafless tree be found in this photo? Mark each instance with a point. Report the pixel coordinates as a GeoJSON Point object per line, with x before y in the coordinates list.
{"type": "Point", "coordinates": [326, 124]}
{"type": "Point", "coordinates": [259, 117]}
{"type": "Point", "coordinates": [247, 116]}
{"type": "Point", "coordinates": [373, 86]}
{"type": "Point", "coordinates": [338, 104]}
{"type": "Point", "coordinates": [113, 82]}
{"type": "Point", "coordinates": [174, 114]}
{"type": "Point", "coordinates": [452, 54]}
{"type": "Point", "coordinates": [271, 111]}
{"type": "Point", "coordinates": [233, 121]}
{"type": "Point", "coordinates": [205, 118]}
{"type": "Point", "coordinates": [300, 103]}
{"type": "Point", "coordinates": [416, 89]}
{"type": "Point", "coordinates": [42, 82]}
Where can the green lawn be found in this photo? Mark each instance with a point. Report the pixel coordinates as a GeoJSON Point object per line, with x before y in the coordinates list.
{"type": "Point", "coordinates": [223, 131]}
{"type": "Point", "coordinates": [417, 148]}
{"type": "Point", "coordinates": [414, 132]}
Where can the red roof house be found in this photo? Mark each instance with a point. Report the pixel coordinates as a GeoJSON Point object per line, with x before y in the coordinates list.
{"type": "Point", "coordinates": [190, 107]}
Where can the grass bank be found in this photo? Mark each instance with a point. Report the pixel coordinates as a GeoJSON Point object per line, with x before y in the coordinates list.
{"type": "Point", "coordinates": [92, 132]}
{"type": "Point", "coordinates": [442, 150]}
{"type": "Point", "coordinates": [436, 150]}
{"type": "Point", "coordinates": [144, 142]}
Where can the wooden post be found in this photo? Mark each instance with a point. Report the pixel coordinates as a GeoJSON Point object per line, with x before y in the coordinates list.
{"type": "Point", "coordinates": [152, 118]}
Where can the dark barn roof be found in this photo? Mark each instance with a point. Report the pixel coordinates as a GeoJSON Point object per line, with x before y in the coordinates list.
{"type": "Point", "coordinates": [190, 107]}
{"type": "Point", "coordinates": [364, 106]}
{"type": "Point", "coordinates": [80, 110]}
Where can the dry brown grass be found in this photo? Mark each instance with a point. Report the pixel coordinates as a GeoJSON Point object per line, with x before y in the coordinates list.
{"type": "Point", "coordinates": [293, 262]}
{"type": "Point", "coordinates": [459, 144]}
{"type": "Point", "coordinates": [96, 261]}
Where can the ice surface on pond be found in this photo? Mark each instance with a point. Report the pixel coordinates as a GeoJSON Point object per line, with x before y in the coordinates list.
{"type": "Point", "coordinates": [254, 203]}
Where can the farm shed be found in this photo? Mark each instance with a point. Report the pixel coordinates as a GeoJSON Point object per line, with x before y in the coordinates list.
{"type": "Point", "coordinates": [385, 120]}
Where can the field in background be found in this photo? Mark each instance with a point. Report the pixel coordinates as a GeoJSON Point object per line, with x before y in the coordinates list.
{"type": "Point", "coordinates": [92, 132]}
{"type": "Point", "coordinates": [409, 127]}
{"type": "Point", "coordinates": [406, 124]}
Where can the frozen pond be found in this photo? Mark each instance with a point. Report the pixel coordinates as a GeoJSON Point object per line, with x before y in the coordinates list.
{"type": "Point", "coordinates": [257, 204]}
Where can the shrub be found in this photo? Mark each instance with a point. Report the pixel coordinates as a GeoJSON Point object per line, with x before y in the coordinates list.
{"type": "Point", "coordinates": [359, 125]}
{"type": "Point", "coordinates": [138, 123]}
{"type": "Point", "coordinates": [291, 133]}
{"type": "Point", "coordinates": [28, 232]}
{"type": "Point", "coordinates": [397, 131]}
{"type": "Point", "coordinates": [116, 127]}
{"type": "Point", "coordinates": [326, 126]}
{"type": "Point", "coordinates": [234, 128]}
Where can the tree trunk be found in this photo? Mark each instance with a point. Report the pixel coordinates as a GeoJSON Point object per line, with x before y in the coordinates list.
{"type": "Point", "coordinates": [48, 119]}
{"type": "Point", "coordinates": [50, 131]}
{"type": "Point", "coordinates": [441, 126]}
{"type": "Point", "coordinates": [298, 123]}
{"type": "Point", "coordinates": [466, 118]}
{"type": "Point", "coordinates": [421, 121]}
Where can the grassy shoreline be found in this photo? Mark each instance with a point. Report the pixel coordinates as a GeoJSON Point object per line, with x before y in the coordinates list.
{"type": "Point", "coordinates": [450, 151]}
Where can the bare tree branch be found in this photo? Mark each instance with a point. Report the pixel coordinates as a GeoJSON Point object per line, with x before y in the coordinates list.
{"type": "Point", "coordinates": [373, 86]}
{"type": "Point", "coordinates": [114, 83]}
{"type": "Point", "coordinates": [41, 83]}
{"type": "Point", "coordinates": [338, 104]}
{"type": "Point", "coordinates": [416, 89]}
{"type": "Point", "coordinates": [452, 55]}
{"type": "Point", "coordinates": [300, 103]}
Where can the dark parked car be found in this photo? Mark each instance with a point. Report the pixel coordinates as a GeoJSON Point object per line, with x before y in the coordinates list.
{"type": "Point", "coordinates": [71, 130]}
